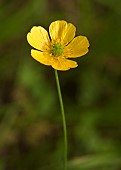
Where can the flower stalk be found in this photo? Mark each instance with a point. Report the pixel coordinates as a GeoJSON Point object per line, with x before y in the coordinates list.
{"type": "Point", "coordinates": [63, 119]}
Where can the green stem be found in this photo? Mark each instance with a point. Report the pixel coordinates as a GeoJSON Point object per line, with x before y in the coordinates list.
{"type": "Point", "coordinates": [63, 119]}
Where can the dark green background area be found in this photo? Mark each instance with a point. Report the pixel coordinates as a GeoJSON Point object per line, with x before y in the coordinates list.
{"type": "Point", "coordinates": [31, 133]}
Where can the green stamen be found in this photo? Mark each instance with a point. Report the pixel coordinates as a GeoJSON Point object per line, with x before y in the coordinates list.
{"type": "Point", "coordinates": [57, 50]}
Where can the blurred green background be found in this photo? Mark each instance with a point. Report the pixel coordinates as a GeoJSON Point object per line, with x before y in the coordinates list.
{"type": "Point", "coordinates": [31, 133]}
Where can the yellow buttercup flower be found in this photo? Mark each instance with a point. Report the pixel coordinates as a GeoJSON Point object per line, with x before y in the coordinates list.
{"type": "Point", "coordinates": [62, 45]}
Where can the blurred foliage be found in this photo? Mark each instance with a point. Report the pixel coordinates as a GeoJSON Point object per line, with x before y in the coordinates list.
{"type": "Point", "coordinates": [31, 134]}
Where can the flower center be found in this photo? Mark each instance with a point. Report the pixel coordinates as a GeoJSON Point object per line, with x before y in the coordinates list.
{"type": "Point", "coordinates": [57, 49]}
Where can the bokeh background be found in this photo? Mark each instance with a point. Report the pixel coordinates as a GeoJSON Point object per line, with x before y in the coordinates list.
{"type": "Point", "coordinates": [31, 133]}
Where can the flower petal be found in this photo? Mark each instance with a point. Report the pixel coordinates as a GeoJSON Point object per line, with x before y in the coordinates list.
{"type": "Point", "coordinates": [42, 57]}
{"type": "Point", "coordinates": [63, 64]}
{"type": "Point", "coordinates": [62, 32]}
{"type": "Point", "coordinates": [38, 38]}
{"type": "Point", "coordinates": [68, 33]}
{"type": "Point", "coordinates": [77, 47]}
{"type": "Point", "coordinates": [56, 30]}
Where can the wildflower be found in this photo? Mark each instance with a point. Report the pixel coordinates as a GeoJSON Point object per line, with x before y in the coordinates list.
{"type": "Point", "coordinates": [62, 45]}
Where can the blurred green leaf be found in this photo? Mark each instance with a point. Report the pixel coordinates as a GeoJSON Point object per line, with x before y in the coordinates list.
{"type": "Point", "coordinates": [102, 161]}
